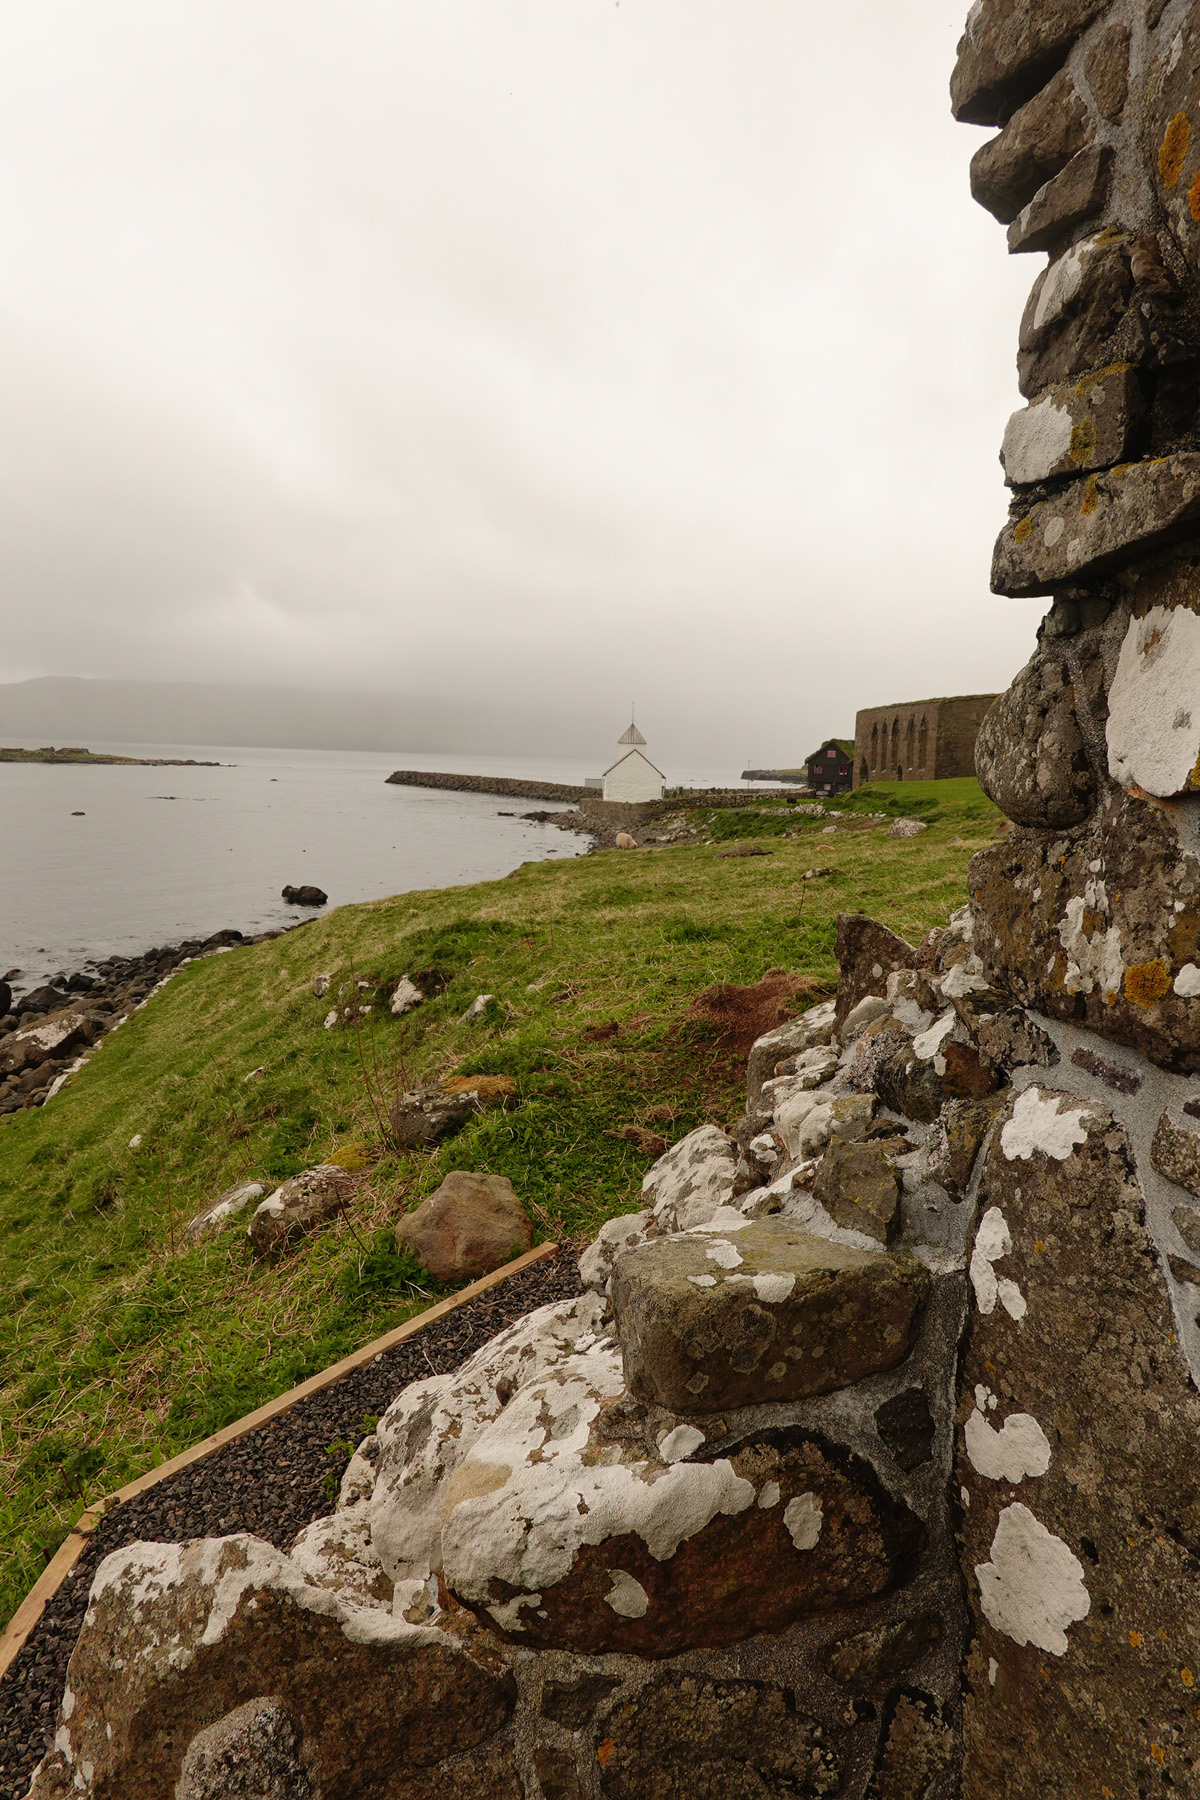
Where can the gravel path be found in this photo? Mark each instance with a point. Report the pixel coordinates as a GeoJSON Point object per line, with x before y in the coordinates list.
{"type": "Point", "coordinates": [272, 1482]}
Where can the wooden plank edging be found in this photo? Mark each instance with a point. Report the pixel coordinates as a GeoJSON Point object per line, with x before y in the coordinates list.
{"type": "Point", "coordinates": [20, 1626]}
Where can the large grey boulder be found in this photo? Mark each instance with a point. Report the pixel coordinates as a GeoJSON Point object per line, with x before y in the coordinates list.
{"type": "Point", "coordinates": [692, 1179]}
{"type": "Point", "coordinates": [759, 1310]}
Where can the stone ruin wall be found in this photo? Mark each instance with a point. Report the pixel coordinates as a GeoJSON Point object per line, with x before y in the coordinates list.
{"type": "Point", "coordinates": [922, 740]}
{"type": "Point", "coordinates": [867, 1464]}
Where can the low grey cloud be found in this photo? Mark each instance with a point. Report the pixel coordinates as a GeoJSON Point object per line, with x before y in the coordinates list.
{"type": "Point", "coordinates": [557, 349]}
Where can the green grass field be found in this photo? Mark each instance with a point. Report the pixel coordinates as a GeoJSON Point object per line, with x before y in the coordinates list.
{"type": "Point", "coordinates": [118, 1350]}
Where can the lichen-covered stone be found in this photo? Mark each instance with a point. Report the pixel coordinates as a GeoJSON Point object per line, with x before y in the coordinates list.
{"type": "Point", "coordinates": [178, 1637]}
{"type": "Point", "coordinates": [1078, 317]}
{"type": "Point", "coordinates": [1106, 68]}
{"type": "Point", "coordinates": [1101, 926]}
{"type": "Point", "coordinates": [1096, 524]}
{"type": "Point", "coordinates": [1039, 140]}
{"type": "Point", "coordinates": [918, 1746]}
{"type": "Point", "coordinates": [472, 1224]}
{"type": "Point", "coordinates": [760, 1310]}
{"type": "Point", "coordinates": [691, 1180]}
{"type": "Point", "coordinates": [956, 1139]}
{"type": "Point", "coordinates": [1075, 427]}
{"type": "Point", "coordinates": [254, 1751]}
{"type": "Point", "coordinates": [428, 1115]}
{"type": "Point", "coordinates": [1010, 48]}
{"type": "Point", "coordinates": [560, 1534]}
{"type": "Point", "coordinates": [1081, 1512]}
{"type": "Point", "coordinates": [909, 1083]}
{"type": "Point", "coordinates": [867, 953]}
{"type": "Point", "coordinates": [1073, 197]}
{"type": "Point", "coordinates": [298, 1206]}
{"type": "Point", "coordinates": [868, 1657]}
{"type": "Point", "coordinates": [1175, 1153]}
{"type": "Point", "coordinates": [859, 1188]}
{"type": "Point", "coordinates": [687, 1737]}
{"type": "Point", "coordinates": [811, 1030]}
{"type": "Point", "coordinates": [1031, 755]}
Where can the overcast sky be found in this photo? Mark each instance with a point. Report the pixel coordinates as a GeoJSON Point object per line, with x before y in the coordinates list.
{"type": "Point", "coordinates": [562, 350]}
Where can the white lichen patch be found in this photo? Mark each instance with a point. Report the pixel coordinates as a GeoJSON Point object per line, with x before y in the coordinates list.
{"type": "Point", "coordinates": [773, 1288]}
{"type": "Point", "coordinates": [528, 1529]}
{"type": "Point", "coordinates": [431, 1426]}
{"type": "Point", "coordinates": [804, 1517]}
{"type": "Point", "coordinates": [1033, 1587]}
{"type": "Point", "coordinates": [1093, 961]}
{"type": "Point", "coordinates": [703, 1280]}
{"type": "Point", "coordinates": [683, 1441]}
{"type": "Point", "coordinates": [929, 1042]}
{"type": "Point", "coordinates": [1039, 1123]}
{"type": "Point", "coordinates": [724, 1254]}
{"type": "Point", "coordinates": [769, 1495]}
{"type": "Point", "coordinates": [1187, 982]}
{"type": "Point", "coordinates": [1036, 440]}
{"type": "Point", "coordinates": [992, 1242]}
{"type": "Point", "coordinates": [1018, 1449]}
{"type": "Point", "coordinates": [1153, 729]}
{"type": "Point", "coordinates": [691, 1180]}
{"type": "Point", "coordinates": [627, 1596]}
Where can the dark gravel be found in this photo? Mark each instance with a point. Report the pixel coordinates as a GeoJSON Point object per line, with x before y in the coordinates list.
{"type": "Point", "coordinates": [272, 1482]}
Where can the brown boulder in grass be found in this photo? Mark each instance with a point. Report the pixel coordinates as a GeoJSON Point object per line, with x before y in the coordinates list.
{"type": "Point", "coordinates": [472, 1225]}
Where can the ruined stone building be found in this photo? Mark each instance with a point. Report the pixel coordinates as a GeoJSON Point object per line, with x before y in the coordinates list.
{"type": "Point", "coordinates": [918, 740]}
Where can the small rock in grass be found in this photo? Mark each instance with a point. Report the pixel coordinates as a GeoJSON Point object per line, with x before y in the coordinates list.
{"type": "Point", "coordinates": [428, 1115]}
{"type": "Point", "coordinates": [476, 1009]}
{"type": "Point", "coordinates": [331, 1019]}
{"type": "Point", "coordinates": [226, 1206]}
{"type": "Point", "coordinates": [298, 1205]}
{"type": "Point", "coordinates": [320, 985]}
{"type": "Point", "coordinates": [406, 996]}
{"type": "Point", "coordinates": [473, 1224]}
{"type": "Point", "coordinates": [905, 828]}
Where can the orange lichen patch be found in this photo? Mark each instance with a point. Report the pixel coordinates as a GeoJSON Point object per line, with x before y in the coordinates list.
{"type": "Point", "coordinates": [1193, 779]}
{"type": "Point", "coordinates": [1187, 1678]}
{"type": "Point", "coordinates": [1158, 1753]}
{"type": "Point", "coordinates": [1147, 982]}
{"type": "Point", "coordinates": [1083, 387]}
{"type": "Point", "coordinates": [1083, 440]}
{"type": "Point", "coordinates": [488, 1087]}
{"type": "Point", "coordinates": [1022, 528]}
{"type": "Point", "coordinates": [1194, 199]}
{"type": "Point", "coordinates": [1091, 493]}
{"type": "Point", "coordinates": [1135, 1637]}
{"type": "Point", "coordinates": [1174, 149]}
{"type": "Point", "coordinates": [605, 1751]}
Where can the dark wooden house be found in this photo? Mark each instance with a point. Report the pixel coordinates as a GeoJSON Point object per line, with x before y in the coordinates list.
{"type": "Point", "coordinates": [831, 768]}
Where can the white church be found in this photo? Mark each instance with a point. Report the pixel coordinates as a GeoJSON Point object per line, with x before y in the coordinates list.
{"type": "Point", "coordinates": [633, 777]}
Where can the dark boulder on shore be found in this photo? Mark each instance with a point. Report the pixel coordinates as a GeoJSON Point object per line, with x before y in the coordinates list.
{"type": "Point", "coordinates": [305, 896]}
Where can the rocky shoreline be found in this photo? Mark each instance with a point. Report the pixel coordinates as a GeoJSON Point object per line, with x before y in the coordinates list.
{"type": "Point", "coordinates": [49, 1032]}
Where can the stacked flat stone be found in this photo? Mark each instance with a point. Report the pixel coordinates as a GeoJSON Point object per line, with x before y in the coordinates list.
{"type": "Point", "coordinates": [1089, 915]}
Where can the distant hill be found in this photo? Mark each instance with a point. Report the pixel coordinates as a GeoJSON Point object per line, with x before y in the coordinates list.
{"type": "Point", "coordinates": [69, 709]}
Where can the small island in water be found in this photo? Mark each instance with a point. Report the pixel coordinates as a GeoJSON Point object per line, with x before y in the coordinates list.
{"type": "Point", "coordinates": [75, 754]}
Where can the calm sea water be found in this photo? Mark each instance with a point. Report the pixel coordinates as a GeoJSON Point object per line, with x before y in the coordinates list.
{"type": "Point", "coordinates": [163, 854]}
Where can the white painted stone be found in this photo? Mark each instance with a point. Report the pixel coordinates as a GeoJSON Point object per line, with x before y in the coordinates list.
{"type": "Point", "coordinates": [1038, 1124]}
{"type": "Point", "coordinates": [703, 1280]}
{"type": "Point", "coordinates": [1011, 1298]}
{"type": "Point", "coordinates": [966, 977]}
{"type": "Point", "coordinates": [1033, 1587]}
{"type": "Point", "coordinates": [1036, 439]}
{"type": "Point", "coordinates": [1018, 1449]}
{"type": "Point", "coordinates": [804, 1517]}
{"type": "Point", "coordinates": [1153, 729]}
{"type": "Point", "coordinates": [1062, 283]}
{"type": "Point", "coordinates": [627, 1596]}
{"type": "Point", "coordinates": [331, 1019]}
{"type": "Point", "coordinates": [1094, 961]}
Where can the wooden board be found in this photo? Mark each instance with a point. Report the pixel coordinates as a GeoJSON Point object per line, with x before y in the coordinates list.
{"type": "Point", "coordinates": [34, 1604]}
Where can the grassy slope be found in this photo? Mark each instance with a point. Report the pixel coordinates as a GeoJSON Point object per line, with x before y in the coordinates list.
{"type": "Point", "coordinates": [117, 1352]}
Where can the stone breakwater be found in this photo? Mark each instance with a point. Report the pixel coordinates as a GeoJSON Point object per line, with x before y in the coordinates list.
{"type": "Point", "coordinates": [488, 784]}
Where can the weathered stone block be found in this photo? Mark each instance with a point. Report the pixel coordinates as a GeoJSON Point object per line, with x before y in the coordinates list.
{"type": "Point", "coordinates": [764, 1312]}
{"type": "Point", "coordinates": [859, 1188]}
{"type": "Point", "coordinates": [813, 1028]}
{"type": "Point", "coordinates": [1102, 927]}
{"type": "Point", "coordinates": [179, 1636]}
{"type": "Point", "coordinates": [1081, 1512]}
{"type": "Point", "coordinates": [956, 1140]}
{"type": "Point", "coordinates": [1106, 69]}
{"type": "Point", "coordinates": [561, 1534]}
{"type": "Point", "coordinates": [867, 953]}
{"type": "Point", "coordinates": [1031, 756]}
{"type": "Point", "coordinates": [686, 1736]}
{"type": "Point", "coordinates": [1038, 141]}
{"type": "Point", "coordinates": [1077, 193]}
{"type": "Point", "coordinates": [1087, 424]}
{"type": "Point", "coordinates": [1009, 50]}
{"type": "Point", "coordinates": [1175, 1153]}
{"type": "Point", "coordinates": [692, 1179]}
{"type": "Point", "coordinates": [1096, 525]}
{"type": "Point", "coordinates": [1078, 316]}
{"type": "Point", "coordinates": [299, 1206]}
